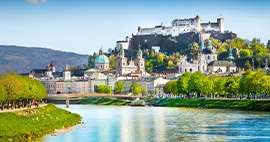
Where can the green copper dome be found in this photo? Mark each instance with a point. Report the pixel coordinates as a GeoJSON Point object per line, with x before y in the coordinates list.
{"type": "Point", "coordinates": [101, 59]}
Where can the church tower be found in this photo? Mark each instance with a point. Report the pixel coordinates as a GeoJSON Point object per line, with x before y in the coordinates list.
{"type": "Point", "coordinates": [140, 61]}
{"type": "Point", "coordinates": [66, 73]}
{"type": "Point", "coordinates": [121, 62]}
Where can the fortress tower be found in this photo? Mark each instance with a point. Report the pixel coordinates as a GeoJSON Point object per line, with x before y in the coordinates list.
{"type": "Point", "coordinates": [220, 22]}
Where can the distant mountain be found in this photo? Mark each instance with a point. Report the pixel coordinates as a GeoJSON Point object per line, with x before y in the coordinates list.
{"type": "Point", "coordinates": [24, 59]}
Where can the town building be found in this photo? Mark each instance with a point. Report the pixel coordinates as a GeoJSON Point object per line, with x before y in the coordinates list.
{"type": "Point", "coordinates": [219, 67]}
{"type": "Point", "coordinates": [181, 26]}
{"type": "Point", "coordinates": [124, 44]}
{"type": "Point", "coordinates": [49, 72]}
{"type": "Point", "coordinates": [194, 65]}
{"type": "Point", "coordinates": [205, 56]}
{"type": "Point", "coordinates": [72, 87]}
{"type": "Point", "coordinates": [66, 73]}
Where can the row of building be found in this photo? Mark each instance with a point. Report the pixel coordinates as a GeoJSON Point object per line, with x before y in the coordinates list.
{"type": "Point", "coordinates": [133, 69]}
{"type": "Point", "coordinates": [128, 71]}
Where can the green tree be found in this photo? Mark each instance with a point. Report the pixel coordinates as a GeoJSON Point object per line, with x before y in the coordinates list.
{"type": "Point", "coordinates": [246, 83]}
{"type": "Point", "coordinates": [135, 88]}
{"type": "Point", "coordinates": [208, 85]}
{"type": "Point", "coordinates": [195, 83]}
{"type": "Point", "coordinates": [170, 87]}
{"type": "Point", "coordinates": [3, 95]}
{"type": "Point", "coordinates": [182, 83]}
{"type": "Point", "coordinates": [232, 85]}
{"type": "Point", "coordinates": [160, 58]}
{"type": "Point", "coordinates": [247, 66]}
{"type": "Point", "coordinates": [144, 90]}
{"type": "Point", "coordinates": [194, 49]}
{"type": "Point", "coordinates": [152, 54]}
{"type": "Point", "coordinates": [149, 66]}
{"type": "Point", "coordinates": [219, 86]}
{"type": "Point", "coordinates": [245, 53]}
{"type": "Point", "coordinates": [104, 89]}
{"type": "Point", "coordinates": [260, 82]}
{"type": "Point", "coordinates": [112, 62]}
{"type": "Point", "coordinates": [238, 43]}
{"type": "Point", "coordinates": [170, 64]}
{"type": "Point", "coordinates": [91, 60]}
{"type": "Point", "coordinates": [223, 48]}
{"type": "Point", "coordinates": [119, 87]}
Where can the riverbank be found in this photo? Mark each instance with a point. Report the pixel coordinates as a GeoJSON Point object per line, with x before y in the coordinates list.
{"type": "Point", "coordinates": [250, 105]}
{"type": "Point", "coordinates": [106, 101]}
{"type": "Point", "coordinates": [26, 125]}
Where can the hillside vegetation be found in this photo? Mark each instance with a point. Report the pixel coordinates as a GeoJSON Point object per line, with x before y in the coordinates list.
{"type": "Point", "coordinates": [23, 59]}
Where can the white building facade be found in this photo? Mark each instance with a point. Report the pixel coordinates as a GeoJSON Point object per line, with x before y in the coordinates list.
{"type": "Point", "coordinates": [180, 26]}
{"type": "Point", "coordinates": [123, 67]}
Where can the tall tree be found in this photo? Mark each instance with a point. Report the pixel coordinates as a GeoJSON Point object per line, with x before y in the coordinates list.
{"type": "Point", "coordinates": [3, 95]}
{"type": "Point", "coordinates": [135, 88]}
{"type": "Point", "coordinates": [232, 85]}
{"type": "Point", "coordinates": [170, 87]}
{"type": "Point", "coordinates": [182, 83]}
{"type": "Point", "coordinates": [91, 60]}
{"type": "Point", "coordinates": [119, 86]}
{"type": "Point", "coordinates": [195, 83]}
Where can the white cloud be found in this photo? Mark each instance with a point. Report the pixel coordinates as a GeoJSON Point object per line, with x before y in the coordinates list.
{"type": "Point", "coordinates": [36, 1]}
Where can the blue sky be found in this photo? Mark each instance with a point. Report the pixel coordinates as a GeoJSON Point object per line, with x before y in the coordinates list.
{"type": "Point", "coordinates": [83, 26]}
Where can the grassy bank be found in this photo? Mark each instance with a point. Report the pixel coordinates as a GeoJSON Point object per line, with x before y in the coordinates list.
{"type": "Point", "coordinates": [26, 125]}
{"type": "Point", "coordinates": [105, 101]}
{"type": "Point", "coordinates": [254, 105]}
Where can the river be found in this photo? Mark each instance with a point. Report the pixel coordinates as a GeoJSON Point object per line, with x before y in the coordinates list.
{"type": "Point", "coordinates": [139, 124]}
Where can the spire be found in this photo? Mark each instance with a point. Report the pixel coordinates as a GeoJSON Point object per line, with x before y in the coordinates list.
{"type": "Point", "coordinates": [122, 52]}
{"type": "Point", "coordinates": [139, 52]}
{"type": "Point", "coordinates": [100, 51]}
{"type": "Point", "coordinates": [201, 43]}
{"type": "Point", "coordinates": [230, 54]}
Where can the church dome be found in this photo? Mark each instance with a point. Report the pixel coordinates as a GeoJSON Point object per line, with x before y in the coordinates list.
{"type": "Point", "coordinates": [101, 59]}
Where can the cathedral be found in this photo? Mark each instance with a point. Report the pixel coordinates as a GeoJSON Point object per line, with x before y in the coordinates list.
{"type": "Point", "coordinates": [133, 67]}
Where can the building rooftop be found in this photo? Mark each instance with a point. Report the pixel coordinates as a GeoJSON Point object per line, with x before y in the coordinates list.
{"type": "Point", "coordinates": [221, 63]}
{"type": "Point", "coordinates": [101, 59]}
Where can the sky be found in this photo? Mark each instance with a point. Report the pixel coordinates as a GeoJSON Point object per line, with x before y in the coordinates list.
{"type": "Point", "coordinates": [84, 26]}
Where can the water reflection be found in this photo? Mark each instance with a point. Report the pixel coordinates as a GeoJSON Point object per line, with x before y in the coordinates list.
{"type": "Point", "coordinates": [112, 123]}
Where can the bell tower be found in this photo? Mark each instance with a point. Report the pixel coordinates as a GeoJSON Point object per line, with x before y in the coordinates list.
{"type": "Point", "coordinates": [140, 60]}
{"type": "Point", "coordinates": [121, 62]}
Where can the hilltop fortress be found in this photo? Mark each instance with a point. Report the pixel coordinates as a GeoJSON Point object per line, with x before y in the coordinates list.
{"type": "Point", "coordinates": [176, 37]}
{"type": "Point", "coordinates": [181, 26]}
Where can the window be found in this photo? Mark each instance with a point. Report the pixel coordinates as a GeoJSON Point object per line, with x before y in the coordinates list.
{"type": "Point", "coordinates": [190, 70]}
{"type": "Point", "coordinates": [214, 57]}
{"type": "Point", "coordinates": [203, 68]}
{"type": "Point", "coordinates": [198, 68]}
{"type": "Point", "coordinates": [208, 57]}
{"type": "Point", "coordinates": [185, 70]}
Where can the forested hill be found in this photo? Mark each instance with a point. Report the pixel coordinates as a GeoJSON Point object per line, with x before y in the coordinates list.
{"type": "Point", "coordinates": [24, 59]}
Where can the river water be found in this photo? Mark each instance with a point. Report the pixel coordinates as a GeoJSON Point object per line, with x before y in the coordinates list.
{"type": "Point", "coordinates": [140, 124]}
